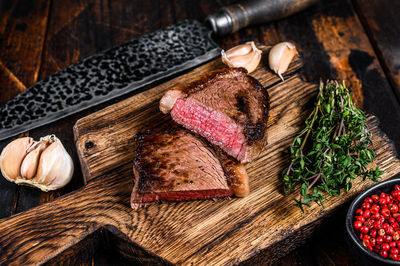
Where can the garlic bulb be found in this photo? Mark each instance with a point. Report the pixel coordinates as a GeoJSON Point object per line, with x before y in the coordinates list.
{"type": "Point", "coordinates": [44, 164]}
{"type": "Point", "coordinates": [245, 55]}
{"type": "Point", "coordinates": [280, 57]}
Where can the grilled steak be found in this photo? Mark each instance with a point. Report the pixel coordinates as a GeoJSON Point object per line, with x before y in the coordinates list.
{"type": "Point", "coordinates": [238, 180]}
{"type": "Point", "coordinates": [177, 165]}
{"type": "Point", "coordinates": [227, 107]}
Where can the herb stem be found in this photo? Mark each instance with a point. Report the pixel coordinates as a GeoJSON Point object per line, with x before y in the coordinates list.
{"type": "Point", "coordinates": [338, 139]}
{"type": "Point", "coordinates": [340, 127]}
{"type": "Point", "coordinates": [315, 180]}
{"type": "Point", "coordinates": [289, 168]}
{"type": "Point", "coordinates": [311, 177]}
{"type": "Point", "coordinates": [311, 125]}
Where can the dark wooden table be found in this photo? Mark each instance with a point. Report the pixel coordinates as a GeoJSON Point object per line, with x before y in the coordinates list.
{"type": "Point", "coordinates": [354, 40]}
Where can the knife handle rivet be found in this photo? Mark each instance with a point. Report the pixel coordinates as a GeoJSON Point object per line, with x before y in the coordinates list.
{"type": "Point", "coordinates": [89, 145]}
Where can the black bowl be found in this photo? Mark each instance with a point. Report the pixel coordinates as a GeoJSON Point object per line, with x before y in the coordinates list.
{"type": "Point", "coordinates": [359, 252]}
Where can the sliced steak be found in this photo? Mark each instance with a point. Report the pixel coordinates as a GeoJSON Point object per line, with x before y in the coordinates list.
{"type": "Point", "coordinates": [227, 107]}
{"type": "Point", "coordinates": [238, 180]}
{"type": "Point", "coordinates": [177, 165]}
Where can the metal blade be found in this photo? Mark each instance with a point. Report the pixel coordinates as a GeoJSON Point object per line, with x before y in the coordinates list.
{"type": "Point", "coordinates": [107, 75]}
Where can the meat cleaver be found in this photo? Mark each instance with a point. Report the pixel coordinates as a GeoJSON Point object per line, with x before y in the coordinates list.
{"type": "Point", "coordinates": [134, 64]}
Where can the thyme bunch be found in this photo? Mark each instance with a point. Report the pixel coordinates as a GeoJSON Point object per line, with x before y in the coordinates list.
{"type": "Point", "coordinates": [331, 150]}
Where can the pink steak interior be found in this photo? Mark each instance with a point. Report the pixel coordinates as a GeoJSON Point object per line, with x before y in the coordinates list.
{"type": "Point", "coordinates": [216, 127]}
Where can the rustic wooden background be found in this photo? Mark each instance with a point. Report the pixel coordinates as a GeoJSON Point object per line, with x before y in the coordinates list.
{"type": "Point", "coordinates": [355, 40]}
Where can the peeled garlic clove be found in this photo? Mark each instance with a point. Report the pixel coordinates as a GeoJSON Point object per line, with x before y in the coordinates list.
{"type": "Point", "coordinates": [280, 57]}
{"type": "Point", "coordinates": [55, 167]}
{"type": "Point", "coordinates": [30, 163]}
{"type": "Point", "coordinates": [12, 156]}
{"type": "Point", "coordinates": [244, 55]}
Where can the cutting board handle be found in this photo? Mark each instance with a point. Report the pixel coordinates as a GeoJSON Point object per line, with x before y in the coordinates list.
{"type": "Point", "coordinates": [235, 17]}
{"type": "Point", "coordinates": [53, 229]}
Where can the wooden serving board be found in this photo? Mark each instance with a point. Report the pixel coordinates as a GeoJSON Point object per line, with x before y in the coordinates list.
{"type": "Point", "coordinates": [260, 227]}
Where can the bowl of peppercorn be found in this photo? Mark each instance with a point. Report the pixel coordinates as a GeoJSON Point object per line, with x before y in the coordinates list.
{"type": "Point", "coordinates": [373, 224]}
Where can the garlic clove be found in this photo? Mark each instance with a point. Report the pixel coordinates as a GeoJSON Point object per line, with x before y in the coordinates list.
{"type": "Point", "coordinates": [241, 49]}
{"type": "Point", "coordinates": [255, 61]}
{"type": "Point", "coordinates": [30, 163]}
{"type": "Point", "coordinates": [55, 167]}
{"type": "Point", "coordinates": [280, 56]}
{"type": "Point", "coordinates": [12, 156]}
{"type": "Point", "coordinates": [238, 60]}
{"type": "Point", "coordinates": [246, 55]}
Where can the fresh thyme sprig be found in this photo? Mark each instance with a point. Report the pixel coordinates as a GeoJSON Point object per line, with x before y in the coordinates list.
{"type": "Point", "coordinates": [332, 149]}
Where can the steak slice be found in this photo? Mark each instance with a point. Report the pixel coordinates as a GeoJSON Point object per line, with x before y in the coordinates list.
{"type": "Point", "coordinates": [177, 165]}
{"type": "Point", "coordinates": [227, 107]}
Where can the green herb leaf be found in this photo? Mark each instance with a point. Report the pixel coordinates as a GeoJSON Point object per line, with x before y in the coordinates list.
{"type": "Point", "coordinates": [337, 139]}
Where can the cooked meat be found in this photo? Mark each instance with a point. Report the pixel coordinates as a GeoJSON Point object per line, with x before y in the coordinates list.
{"type": "Point", "coordinates": [238, 180]}
{"type": "Point", "coordinates": [169, 99]}
{"type": "Point", "coordinates": [227, 107]}
{"type": "Point", "coordinates": [177, 165]}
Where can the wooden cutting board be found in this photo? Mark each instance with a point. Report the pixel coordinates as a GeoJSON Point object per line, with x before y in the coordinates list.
{"type": "Point", "coordinates": [261, 227]}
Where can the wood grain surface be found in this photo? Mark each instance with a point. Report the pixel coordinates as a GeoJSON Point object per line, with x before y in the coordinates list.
{"type": "Point", "coordinates": [38, 38]}
{"type": "Point", "coordinates": [380, 22]}
{"type": "Point", "coordinates": [199, 232]}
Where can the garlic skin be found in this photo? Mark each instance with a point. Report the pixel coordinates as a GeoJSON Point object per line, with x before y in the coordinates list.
{"type": "Point", "coordinates": [12, 156]}
{"type": "Point", "coordinates": [280, 57]}
{"type": "Point", "coordinates": [55, 167]}
{"type": "Point", "coordinates": [44, 164]}
{"type": "Point", "coordinates": [245, 55]}
{"type": "Point", "coordinates": [30, 163]}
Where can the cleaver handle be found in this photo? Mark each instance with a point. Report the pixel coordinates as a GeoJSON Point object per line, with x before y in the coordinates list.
{"type": "Point", "coordinates": [235, 17]}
